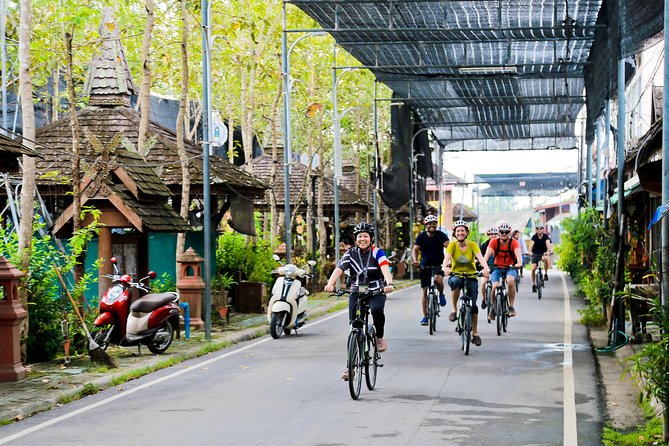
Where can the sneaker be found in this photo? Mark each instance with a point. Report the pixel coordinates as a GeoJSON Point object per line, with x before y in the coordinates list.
{"type": "Point", "coordinates": [534, 288]}
{"type": "Point", "coordinates": [442, 300]}
{"type": "Point", "coordinates": [491, 316]}
{"type": "Point", "coordinates": [512, 312]}
{"type": "Point", "coordinates": [423, 321]}
{"type": "Point", "coordinates": [483, 304]}
{"type": "Point", "coordinates": [452, 317]}
{"type": "Point", "coordinates": [344, 375]}
{"type": "Point", "coordinates": [476, 340]}
{"type": "Point", "coordinates": [545, 277]}
{"type": "Point", "coordinates": [381, 345]}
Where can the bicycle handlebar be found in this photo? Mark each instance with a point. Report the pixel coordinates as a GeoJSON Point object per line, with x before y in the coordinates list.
{"type": "Point", "coordinates": [340, 292]}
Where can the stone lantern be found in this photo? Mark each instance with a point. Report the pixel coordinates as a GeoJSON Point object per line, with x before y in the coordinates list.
{"type": "Point", "coordinates": [190, 284]}
{"type": "Point", "coordinates": [11, 316]}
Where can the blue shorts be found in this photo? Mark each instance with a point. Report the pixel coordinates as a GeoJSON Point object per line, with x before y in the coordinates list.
{"type": "Point", "coordinates": [455, 283]}
{"type": "Point", "coordinates": [497, 274]}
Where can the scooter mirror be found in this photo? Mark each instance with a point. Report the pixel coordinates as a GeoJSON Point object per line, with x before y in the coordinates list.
{"type": "Point", "coordinates": [311, 262]}
{"type": "Point", "coordinates": [152, 275]}
{"type": "Point", "coordinates": [276, 257]}
{"type": "Point", "coordinates": [113, 260]}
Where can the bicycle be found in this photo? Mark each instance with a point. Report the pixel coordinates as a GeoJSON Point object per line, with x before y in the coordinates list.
{"type": "Point", "coordinates": [487, 298]}
{"type": "Point", "coordinates": [539, 276]}
{"type": "Point", "coordinates": [432, 299]}
{"type": "Point", "coordinates": [464, 321]}
{"type": "Point", "coordinates": [502, 303]}
{"type": "Point", "coordinates": [362, 353]}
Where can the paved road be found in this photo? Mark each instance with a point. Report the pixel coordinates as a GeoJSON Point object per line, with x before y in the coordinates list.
{"type": "Point", "coordinates": [535, 385]}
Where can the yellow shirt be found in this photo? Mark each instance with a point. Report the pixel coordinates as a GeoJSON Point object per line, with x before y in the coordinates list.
{"type": "Point", "coordinates": [463, 261]}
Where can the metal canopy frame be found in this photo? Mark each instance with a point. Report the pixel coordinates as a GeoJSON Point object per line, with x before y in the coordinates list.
{"type": "Point", "coordinates": [481, 74]}
{"type": "Point", "coordinates": [526, 184]}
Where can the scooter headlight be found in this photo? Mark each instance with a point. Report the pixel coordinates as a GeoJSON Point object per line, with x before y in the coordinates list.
{"type": "Point", "coordinates": [114, 293]}
{"type": "Point", "coordinates": [290, 269]}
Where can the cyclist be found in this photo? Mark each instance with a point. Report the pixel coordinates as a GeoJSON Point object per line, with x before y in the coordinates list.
{"type": "Point", "coordinates": [507, 254]}
{"type": "Point", "coordinates": [523, 246]}
{"type": "Point", "coordinates": [491, 233]}
{"type": "Point", "coordinates": [431, 244]}
{"type": "Point", "coordinates": [541, 248]}
{"type": "Point", "coordinates": [370, 270]}
{"type": "Point", "coordinates": [463, 253]}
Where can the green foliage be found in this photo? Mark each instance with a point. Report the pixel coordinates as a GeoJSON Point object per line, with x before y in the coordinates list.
{"type": "Point", "coordinates": [253, 259]}
{"type": "Point", "coordinates": [648, 434]}
{"type": "Point", "coordinates": [222, 282]}
{"type": "Point", "coordinates": [591, 316]}
{"type": "Point", "coordinates": [163, 284]}
{"type": "Point", "coordinates": [651, 365]}
{"type": "Point", "coordinates": [47, 307]}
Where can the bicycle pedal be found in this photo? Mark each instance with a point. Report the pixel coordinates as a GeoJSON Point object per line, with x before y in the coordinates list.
{"type": "Point", "coordinates": [379, 364]}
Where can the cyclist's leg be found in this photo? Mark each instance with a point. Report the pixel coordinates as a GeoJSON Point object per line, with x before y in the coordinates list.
{"type": "Point", "coordinates": [511, 276]}
{"type": "Point", "coordinates": [472, 290]}
{"type": "Point", "coordinates": [439, 282]}
{"type": "Point", "coordinates": [496, 281]}
{"type": "Point", "coordinates": [377, 305]}
{"type": "Point", "coordinates": [534, 270]}
{"type": "Point", "coordinates": [425, 279]}
{"type": "Point", "coordinates": [455, 284]}
{"type": "Point", "coordinates": [547, 263]}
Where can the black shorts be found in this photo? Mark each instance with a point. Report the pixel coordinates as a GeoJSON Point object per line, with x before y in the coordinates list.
{"type": "Point", "coordinates": [536, 258]}
{"type": "Point", "coordinates": [426, 276]}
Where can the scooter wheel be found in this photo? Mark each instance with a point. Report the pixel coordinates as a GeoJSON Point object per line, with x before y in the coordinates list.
{"type": "Point", "coordinates": [99, 334]}
{"type": "Point", "coordinates": [162, 339]}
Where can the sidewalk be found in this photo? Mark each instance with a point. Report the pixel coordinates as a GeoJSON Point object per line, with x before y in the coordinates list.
{"type": "Point", "coordinates": [52, 384]}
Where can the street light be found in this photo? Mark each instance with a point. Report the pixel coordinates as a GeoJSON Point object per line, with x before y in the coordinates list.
{"type": "Point", "coordinates": [287, 146]}
{"type": "Point", "coordinates": [336, 123]}
{"type": "Point", "coordinates": [412, 191]}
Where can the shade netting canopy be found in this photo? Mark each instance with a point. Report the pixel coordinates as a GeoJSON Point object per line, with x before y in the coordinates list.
{"type": "Point", "coordinates": [526, 184]}
{"type": "Point", "coordinates": [493, 74]}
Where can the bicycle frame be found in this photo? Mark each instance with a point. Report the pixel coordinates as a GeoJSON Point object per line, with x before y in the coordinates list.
{"type": "Point", "coordinates": [432, 299]}
{"type": "Point", "coordinates": [464, 327]}
{"type": "Point", "coordinates": [502, 303]}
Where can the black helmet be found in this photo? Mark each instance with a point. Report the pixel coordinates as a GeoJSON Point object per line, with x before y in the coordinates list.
{"type": "Point", "coordinates": [363, 227]}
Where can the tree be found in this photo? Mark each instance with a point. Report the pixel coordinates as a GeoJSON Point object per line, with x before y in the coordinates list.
{"type": "Point", "coordinates": [181, 123]}
{"type": "Point", "coordinates": [145, 91]}
{"type": "Point", "coordinates": [28, 187]}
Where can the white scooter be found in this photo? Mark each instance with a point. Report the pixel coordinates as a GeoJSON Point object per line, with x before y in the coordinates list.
{"type": "Point", "coordinates": [287, 307]}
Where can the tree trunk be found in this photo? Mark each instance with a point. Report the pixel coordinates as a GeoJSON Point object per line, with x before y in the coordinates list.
{"type": "Point", "coordinates": [181, 125]}
{"type": "Point", "coordinates": [272, 176]}
{"type": "Point", "coordinates": [76, 138]}
{"type": "Point", "coordinates": [145, 92]}
{"type": "Point", "coordinates": [56, 92]}
{"type": "Point", "coordinates": [28, 188]}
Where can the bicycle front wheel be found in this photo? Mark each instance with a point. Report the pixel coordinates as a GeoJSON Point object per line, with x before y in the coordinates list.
{"type": "Point", "coordinates": [355, 360]}
{"type": "Point", "coordinates": [540, 284]}
{"type": "Point", "coordinates": [371, 358]}
{"type": "Point", "coordinates": [499, 309]}
{"type": "Point", "coordinates": [505, 312]}
{"type": "Point", "coordinates": [468, 329]}
{"type": "Point", "coordinates": [432, 311]}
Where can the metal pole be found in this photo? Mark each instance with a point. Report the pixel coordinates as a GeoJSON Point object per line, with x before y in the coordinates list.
{"type": "Point", "coordinates": [286, 134]}
{"type": "Point", "coordinates": [411, 199]}
{"type": "Point", "coordinates": [337, 152]}
{"type": "Point", "coordinates": [619, 308]}
{"type": "Point", "coordinates": [206, 138]}
{"type": "Point", "coordinates": [3, 49]}
{"type": "Point", "coordinates": [665, 197]}
{"type": "Point", "coordinates": [607, 142]}
{"type": "Point", "coordinates": [588, 172]}
{"type": "Point", "coordinates": [598, 164]}
{"type": "Point", "coordinates": [580, 163]}
{"type": "Point", "coordinates": [377, 169]}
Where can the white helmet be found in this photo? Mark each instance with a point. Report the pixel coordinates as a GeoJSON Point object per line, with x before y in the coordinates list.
{"type": "Point", "coordinates": [503, 226]}
{"type": "Point", "coordinates": [461, 223]}
{"type": "Point", "coordinates": [430, 218]}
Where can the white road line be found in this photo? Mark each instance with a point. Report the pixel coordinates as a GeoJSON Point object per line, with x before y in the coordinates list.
{"type": "Point", "coordinates": [570, 436]}
{"type": "Point", "coordinates": [148, 384]}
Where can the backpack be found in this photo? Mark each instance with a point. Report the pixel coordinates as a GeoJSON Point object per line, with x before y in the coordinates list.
{"type": "Point", "coordinates": [508, 250]}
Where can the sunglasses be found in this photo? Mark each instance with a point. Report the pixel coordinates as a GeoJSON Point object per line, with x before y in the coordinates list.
{"type": "Point", "coordinates": [504, 232]}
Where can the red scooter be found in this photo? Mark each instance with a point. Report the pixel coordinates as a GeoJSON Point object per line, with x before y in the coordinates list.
{"type": "Point", "coordinates": [151, 320]}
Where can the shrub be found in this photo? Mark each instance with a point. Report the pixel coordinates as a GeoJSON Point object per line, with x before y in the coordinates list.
{"type": "Point", "coordinates": [254, 260]}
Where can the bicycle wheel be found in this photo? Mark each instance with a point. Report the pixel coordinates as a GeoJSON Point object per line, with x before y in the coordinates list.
{"type": "Point", "coordinates": [371, 357]}
{"type": "Point", "coordinates": [540, 284]}
{"type": "Point", "coordinates": [489, 303]}
{"type": "Point", "coordinates": [468, 329]}
{"type": "Point", "coordinates": [355, 356]}
{"type": "Point", "coordinates": [432, 310]}
{"type": "Point", "coordinates": [505, 312]}
{"type": "Point", "coordinates": [499, 309]}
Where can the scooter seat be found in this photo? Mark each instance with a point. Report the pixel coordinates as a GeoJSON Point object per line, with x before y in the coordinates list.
{"type": "Point", "coordinates": [150, 302]}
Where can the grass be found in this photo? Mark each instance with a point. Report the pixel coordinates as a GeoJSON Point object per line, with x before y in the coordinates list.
{"type": "Point", "coordinates": [646, 435]}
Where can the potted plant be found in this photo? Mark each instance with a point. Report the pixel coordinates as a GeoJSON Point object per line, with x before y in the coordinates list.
{"type": "Point", "coordinates": [220, 285]}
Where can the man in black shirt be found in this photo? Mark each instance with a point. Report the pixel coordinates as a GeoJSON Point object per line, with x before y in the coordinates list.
{"type": "Point", "coordinates": [541, 249]}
